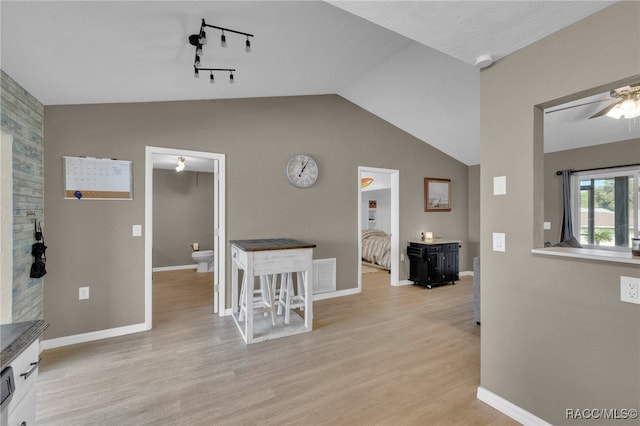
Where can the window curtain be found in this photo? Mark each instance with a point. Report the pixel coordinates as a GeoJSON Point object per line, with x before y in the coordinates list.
{"type": "Point", "coordinates": [567, 222]}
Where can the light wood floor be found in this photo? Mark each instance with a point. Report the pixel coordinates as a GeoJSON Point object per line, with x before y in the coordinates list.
{"type": "Point", "coordinates": [388, 356]}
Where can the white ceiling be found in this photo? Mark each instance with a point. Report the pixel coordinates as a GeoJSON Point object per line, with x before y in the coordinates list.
{"type": "Point", "coordinates": [409, 62]}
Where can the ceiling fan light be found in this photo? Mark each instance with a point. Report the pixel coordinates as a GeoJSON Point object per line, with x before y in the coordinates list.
{"type": "Point", "coordinates": [615, 112]}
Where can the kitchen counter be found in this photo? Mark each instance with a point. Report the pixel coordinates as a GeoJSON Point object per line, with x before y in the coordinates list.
{"type": "Point", "coordinates": [271, 244]}
{"type": "Point", "coordinates": [266, 259]}
{"type": "Point", "coordinates": [16, 337]}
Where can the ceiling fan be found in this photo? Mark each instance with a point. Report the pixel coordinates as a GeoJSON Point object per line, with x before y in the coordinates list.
{"type": "Point", "coordinates": [627, 103]}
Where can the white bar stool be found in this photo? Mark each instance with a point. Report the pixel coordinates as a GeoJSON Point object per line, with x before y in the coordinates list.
{"type": "Point", "coordinates": [264, 298]}
{"type": "Point", "coordinates": [288, 299]}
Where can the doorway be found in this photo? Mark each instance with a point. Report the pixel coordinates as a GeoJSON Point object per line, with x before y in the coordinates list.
{"type": "Point", "coordinates": [390, 214]}
{"type": "Point", "coordinates": [216, 162]}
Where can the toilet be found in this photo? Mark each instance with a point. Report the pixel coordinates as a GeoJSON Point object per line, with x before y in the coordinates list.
{"type": "Point", "coordinates": [204, 259]}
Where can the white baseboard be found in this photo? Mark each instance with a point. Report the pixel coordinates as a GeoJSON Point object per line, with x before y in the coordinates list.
{"type": "Point", "coordinates": [510, 409]}
{"type": "Point", "coordinates": [174, 268]}
{"type": "Point", "coordinates": [465, 274]}
{"type": "Point", "coordinates": [403, 282]}
{"type": "Point", "coordinates": [338, 293]}
{"type": "Point", "coordinates": [94, 335]}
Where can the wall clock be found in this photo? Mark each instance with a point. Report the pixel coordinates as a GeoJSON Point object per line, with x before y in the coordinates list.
{"type": "Point", "coordinates": [302, 170]}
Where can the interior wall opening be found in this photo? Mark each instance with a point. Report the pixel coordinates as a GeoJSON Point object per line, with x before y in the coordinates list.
{"type": "Point", "coordinates": [378, 222]}
{"type": "Point", "coordinates": [185, 187]}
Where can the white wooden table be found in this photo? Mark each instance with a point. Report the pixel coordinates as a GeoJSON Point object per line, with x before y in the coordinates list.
{"type": "Point", "coordinates": [264, 257]}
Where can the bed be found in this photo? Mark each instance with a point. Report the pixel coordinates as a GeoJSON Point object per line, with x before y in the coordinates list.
{"type": "Point", "coordinates": [376, 248]}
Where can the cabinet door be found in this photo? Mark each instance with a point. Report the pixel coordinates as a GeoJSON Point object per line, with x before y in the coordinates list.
{"type": "Point", "coordinates": [434, 267]}
{"type": "Point", "coordinates": [451, 260]}
{"type": "Point", "coordinates": [24, 414]}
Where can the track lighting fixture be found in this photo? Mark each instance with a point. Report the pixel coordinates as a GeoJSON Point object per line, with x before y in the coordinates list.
{"type": "Point", "coordinates": [180, 166]}
{"type": "Point", "coordinates": [200, 39]}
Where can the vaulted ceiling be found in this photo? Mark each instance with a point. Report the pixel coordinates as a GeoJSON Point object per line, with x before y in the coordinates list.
{"type": "Point", "coordinates": [412, 63]}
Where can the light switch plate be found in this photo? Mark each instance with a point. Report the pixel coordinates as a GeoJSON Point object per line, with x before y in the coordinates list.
{"type": "Point", "coordinates": [547, 226]}
{"type": "Point", "coordinates": [500, 185]}
{"type": "Point", "coordinates": [499, 243]}
{"type": "Point", "coordinates": [137, 230]}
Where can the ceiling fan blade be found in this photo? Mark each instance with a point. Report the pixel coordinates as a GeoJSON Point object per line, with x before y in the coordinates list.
{"type": "Point", "coordinates": [606, 110]}
{"type": "Point", "coordinates": [578, 105]}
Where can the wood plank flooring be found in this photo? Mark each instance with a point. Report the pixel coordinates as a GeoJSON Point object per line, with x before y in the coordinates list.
{"type": "Point", "coordinates": [388, 356]}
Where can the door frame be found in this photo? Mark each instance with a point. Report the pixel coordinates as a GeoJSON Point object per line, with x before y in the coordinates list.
{"type": "Point", "coordinates": [219, 233]}
{"type": "Point", "coordinates": [394, 176]}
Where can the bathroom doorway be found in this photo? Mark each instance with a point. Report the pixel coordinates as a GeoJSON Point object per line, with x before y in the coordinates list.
{"type": "Point", "coordinates": [210, 169]}
{"type": "Point", "coordinates": [378, 214]}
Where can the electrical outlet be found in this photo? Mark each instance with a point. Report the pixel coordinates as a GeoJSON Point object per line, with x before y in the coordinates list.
{"type": "Point", "coordinates": [401, 257]}
{"type": "Point", "coordinates": [83, 293]}
{"type": "Point", "coordinates": [630, 290]}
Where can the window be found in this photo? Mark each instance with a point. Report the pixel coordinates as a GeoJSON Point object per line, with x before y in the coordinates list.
{"type": "Point", "coordinates": [605, 205]}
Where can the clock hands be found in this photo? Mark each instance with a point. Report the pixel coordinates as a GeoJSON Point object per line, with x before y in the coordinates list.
{"type": "Point", "coordinates": [304, 166]}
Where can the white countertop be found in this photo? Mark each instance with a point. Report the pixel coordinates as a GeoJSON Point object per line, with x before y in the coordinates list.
{"type": "Point", "coordinates": [435, 241]}
{"type": "Point", "coordinates": [587, 253]}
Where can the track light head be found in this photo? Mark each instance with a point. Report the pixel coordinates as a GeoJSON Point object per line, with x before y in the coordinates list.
{"type": "Point", "coordinates": [196, 74]}
{"type": "Point", "coordinates": [223, 40]}
{"type": "Point", "coordinates": [203, 37]}
{"type": "Point", "coordinates": [247, 45]}
{"type": "Point", "coordinates": [211, 79]}
{"type": "Point", "coordinates": [231, 77]}
{"type": "Point", "coordinates": [197, 62]}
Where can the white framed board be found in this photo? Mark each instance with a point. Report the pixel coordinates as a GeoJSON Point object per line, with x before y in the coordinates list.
{"type": "Point", "coordinates": [89, 178]}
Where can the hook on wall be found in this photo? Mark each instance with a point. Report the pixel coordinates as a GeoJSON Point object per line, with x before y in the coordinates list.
{"type": "Point", "coordinates": [31, 214]}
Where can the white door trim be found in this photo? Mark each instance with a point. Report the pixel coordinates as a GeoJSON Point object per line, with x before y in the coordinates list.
{"type": "Point", "coordinates": [219, 245]}
{"type": "Point", "coordinates": [395, 223]}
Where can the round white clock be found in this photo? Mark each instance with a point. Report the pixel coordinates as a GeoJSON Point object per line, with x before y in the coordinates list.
{"type": "Point", "coordinates": [302, 170]}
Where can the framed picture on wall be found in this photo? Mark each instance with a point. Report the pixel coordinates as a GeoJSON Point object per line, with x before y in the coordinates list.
{"type": "Point", "coordinates": [437, 195]}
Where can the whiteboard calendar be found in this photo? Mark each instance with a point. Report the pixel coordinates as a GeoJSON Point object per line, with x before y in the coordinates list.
{"type": "Point", "coordinates": [97, 178]}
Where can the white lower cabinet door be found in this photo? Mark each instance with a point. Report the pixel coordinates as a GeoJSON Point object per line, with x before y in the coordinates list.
{"type": "Point", "coordinates": [24, 414]}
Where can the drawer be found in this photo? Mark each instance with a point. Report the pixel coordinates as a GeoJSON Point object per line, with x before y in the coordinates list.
{"type": "Point", "coordinates": [239, 257]}
{"type": "Point", "coordinates": [25, 412]}
{"type": "Point", "coordinates": [25, 371]}
{"type": "Point", "coordinates": [435, 249]}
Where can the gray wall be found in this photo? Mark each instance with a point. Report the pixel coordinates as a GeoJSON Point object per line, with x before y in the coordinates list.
{"type": "Point", "coordinates": [93, 238]}
{"type": "Point", "coordinates": [182, 214]}
{"type": "Point", "coordinates": [605, 155]}
{"type": "Point", "coordinates": [22, 116]}
{"type": "Point", "coordinates": [554, 332]}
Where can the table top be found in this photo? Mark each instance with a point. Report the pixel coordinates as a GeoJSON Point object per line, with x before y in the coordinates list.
{"type": "Point", "coordinates": [271, 244]}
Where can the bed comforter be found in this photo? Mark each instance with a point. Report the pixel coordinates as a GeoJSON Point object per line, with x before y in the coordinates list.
{"type": "Point", "coordinates": [376, 248]}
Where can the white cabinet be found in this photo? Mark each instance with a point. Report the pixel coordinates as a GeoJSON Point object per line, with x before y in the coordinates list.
{"type": "Point", "coordinates": [22, 407]}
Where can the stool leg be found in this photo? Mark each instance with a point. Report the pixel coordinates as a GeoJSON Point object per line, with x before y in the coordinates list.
{"type": "Point", "coordinates": [284, 280]}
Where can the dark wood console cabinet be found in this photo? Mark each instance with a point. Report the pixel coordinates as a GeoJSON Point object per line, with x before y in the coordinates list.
{"type": "Point", "coordinates": [433, 263]}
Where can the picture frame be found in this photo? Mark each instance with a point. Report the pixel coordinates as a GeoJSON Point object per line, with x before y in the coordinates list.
{"type": "Point", "coordinates": [373, 204]}
{"type": "Point", "coordinates": [437, 195]}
